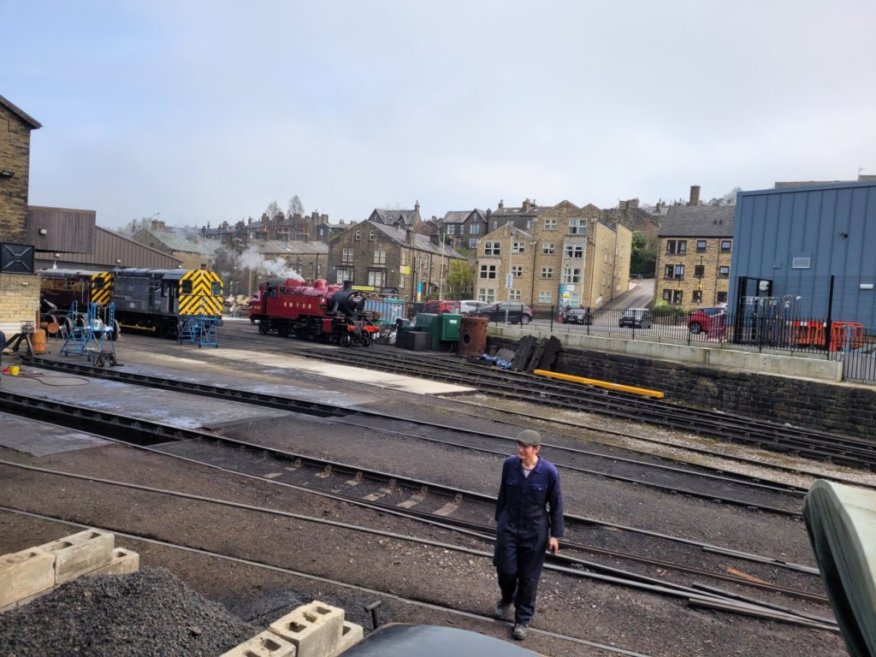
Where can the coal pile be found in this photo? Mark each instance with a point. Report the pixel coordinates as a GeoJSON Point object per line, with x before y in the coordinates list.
{"type": "Point", "coordinates": [150, 613]}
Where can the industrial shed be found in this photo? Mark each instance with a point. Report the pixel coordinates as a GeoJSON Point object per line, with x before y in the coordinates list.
{"type": "Point", "coordinates": [809, 250]}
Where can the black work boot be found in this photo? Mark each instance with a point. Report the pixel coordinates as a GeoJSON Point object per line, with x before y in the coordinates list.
{"type": "Point", "coordinates": [501, 610]}
{"type": "Point", "coordinates": [519, 631]}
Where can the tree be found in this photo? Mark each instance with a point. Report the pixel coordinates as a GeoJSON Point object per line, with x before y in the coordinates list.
{"type": "Point", "coordinates": [460, 279]}
{"type": "Point", "coordinates": [643, 258]}
{"type": "Point", "coordinates": [135, 225]}
{"type": "Point", "coordinates": [295, 206]}
{"type": "Point", "coordinates": [273, 210]}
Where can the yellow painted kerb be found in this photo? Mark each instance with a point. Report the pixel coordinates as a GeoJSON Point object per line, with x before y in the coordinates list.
{"type": "Point", "coordinates": [645, 392]}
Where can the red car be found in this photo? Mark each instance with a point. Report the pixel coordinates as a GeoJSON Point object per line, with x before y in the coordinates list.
{"type": "Point", "coordinates": [711, 321]}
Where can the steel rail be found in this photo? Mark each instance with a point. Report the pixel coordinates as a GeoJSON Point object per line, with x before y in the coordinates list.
{"type": "Point", "coordinates": [340, 414]}
{"type": "Point", "coordinates": [603, 573]}
{"type": "Point", "coordinates": [143, 432]}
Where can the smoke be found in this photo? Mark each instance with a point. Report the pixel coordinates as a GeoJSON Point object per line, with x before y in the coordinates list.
{"type": "Point", "coordinates": [252, 259]}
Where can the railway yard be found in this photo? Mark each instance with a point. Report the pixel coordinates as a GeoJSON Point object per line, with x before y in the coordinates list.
{"type": "Point", "coordinates": [269, 472]}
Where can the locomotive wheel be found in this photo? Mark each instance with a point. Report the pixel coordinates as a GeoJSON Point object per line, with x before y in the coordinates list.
{"type": "Point", "coordinates": [346, 340]}
{"type": "Point", "coordinates": [366, 340]}
{"type": "Point", "coordinates": [263, 326]}
{"type": "Point", "coordinates": [283, 330]}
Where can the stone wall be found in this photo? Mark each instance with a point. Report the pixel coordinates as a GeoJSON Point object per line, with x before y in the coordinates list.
{"type": "Point", "coordinates": [837, 408]}
{"type": "Point", "coordinates": [19, 301]}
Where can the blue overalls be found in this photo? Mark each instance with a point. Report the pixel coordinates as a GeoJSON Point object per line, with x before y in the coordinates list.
{"type": "Point", "coordinates": [529, 510]}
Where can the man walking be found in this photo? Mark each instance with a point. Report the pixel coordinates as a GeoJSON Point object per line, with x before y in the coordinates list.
{"type": "Point", "coordinates": [529, 515]}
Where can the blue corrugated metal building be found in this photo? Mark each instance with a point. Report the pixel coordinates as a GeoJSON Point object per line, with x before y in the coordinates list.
{"type": "Point", "coordinates": [812, 249]}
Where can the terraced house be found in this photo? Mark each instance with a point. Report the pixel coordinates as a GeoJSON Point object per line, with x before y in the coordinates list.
{"type": "Point", "coordinates": [561, 255]}
{"type": "Point", "coordinates": [694, 254]}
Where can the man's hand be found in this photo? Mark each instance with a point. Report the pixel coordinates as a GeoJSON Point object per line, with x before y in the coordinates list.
{"type": "Point", "coordinates": [553, 545]}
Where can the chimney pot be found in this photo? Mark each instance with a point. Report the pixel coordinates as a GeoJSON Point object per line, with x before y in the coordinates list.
{"type": "Point", "coordinates": [694, 195]}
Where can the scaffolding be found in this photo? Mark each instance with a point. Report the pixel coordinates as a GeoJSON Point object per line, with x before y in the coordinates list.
{"type": "Point", "coordinates": [92, 336]}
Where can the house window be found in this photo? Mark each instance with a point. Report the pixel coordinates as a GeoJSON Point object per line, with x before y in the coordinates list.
{"type": "Point", "coordinates": [547, 272]}
{"type": "Point", "coordinates": [701, 246]}
{"type": "Point", "coordinates": [726, 245]}
{"type": "Point", "coordinates": [679, 271]}
{"type": "Point", "coordinates": [488, 271]}
{"type": "Point", "coordinates": [474, 229]}
{"type": "Point", "coordinates": [676, 247]}
{"type": "Point", "coordinates": [376, 278]}
{"type": "Point", "coordinates": [344, 274]}
{"type": "Point", "coordinates": [473, 243]}
{"type": "Point", "coordinates": [577, 226]}
{"type": "Point", "coordinates": [550, 223]}
{"type": "Point", "coordinates": [357, 235]}
{"type": "Point", "coordinates": [721, 297]}
{"type": "Point", "coordinates": [571, 275]}
{"type": "Point", "coordinates": [574, 251]}
{"type": "Point", "coordinates": [380, 257]}
{"type": "Point", "coordinates": [517, 271]}
{"type": "Point", "coordinates": [544, 297]}
{"type": "Point", "coordinates": [492, 248]}
{"type": "Point", "coordinates": [724, 271]}
{"type": "Point", "coordinates": [347, 255]}
{"type": "Point", "coordinates": [699, 270]}
{"type": "Point", "coordinates": [673, 296]}
{"type": "Point", "coordinates": [487, 295]}
{"type": "Point", "coordinates": [514, 295]}
{"type": "Point", "coordinates": [548, 248]}
{"type": "Point", "coordinates": [673, 271]}
{"type": "Point", "coordinates": [697, 296]}
{"type": "Point", "coordinates": [371, 235]}
{"type": "Point", "coordinates": [518, 247]}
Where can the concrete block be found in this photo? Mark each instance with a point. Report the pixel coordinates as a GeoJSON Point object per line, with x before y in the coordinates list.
{"type": "Point", "coordinates": [123, 562]}
{"type": "Point", "coordinates": [314, 629]}
{"type": "Point", "coordinates": [351, 634]}
{"type": "Point", "coordinates": [80, 553]}
{"type": "Point", "coordinates": [25, 574]}
{"type": "Point", "coordinates": [266, 644]}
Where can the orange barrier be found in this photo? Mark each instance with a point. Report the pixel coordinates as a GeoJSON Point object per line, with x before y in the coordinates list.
{"type": "Point", "coordinates": [846, 336]}
{"type": "Point", "coordinates": [808, 333]}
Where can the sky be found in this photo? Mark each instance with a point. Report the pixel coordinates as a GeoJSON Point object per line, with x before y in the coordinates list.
{"type": "Point", "coordinates": [203, 111]}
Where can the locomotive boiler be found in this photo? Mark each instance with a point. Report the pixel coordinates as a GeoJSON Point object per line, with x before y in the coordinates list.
{"type": "Point", "coordinates": [333, 313]}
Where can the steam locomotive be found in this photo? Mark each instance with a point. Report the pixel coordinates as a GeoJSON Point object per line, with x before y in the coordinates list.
{"type": "Point", "coordinates": [155, 301]}
{"type": "Point", "coordinates": [333, 313]}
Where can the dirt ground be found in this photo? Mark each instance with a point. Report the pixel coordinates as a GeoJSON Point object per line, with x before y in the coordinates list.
{"type": "Point", "coordinates": [441, 581]}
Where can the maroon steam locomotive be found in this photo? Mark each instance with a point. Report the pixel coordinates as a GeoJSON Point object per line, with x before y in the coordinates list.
{"type": "Point", "coordinates": [320, 311]}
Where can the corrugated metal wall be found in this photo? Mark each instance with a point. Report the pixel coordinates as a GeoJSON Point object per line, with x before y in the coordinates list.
{"type": "Point", "coordinates": [800, 237]}
{"type": "Point", "coordinates": [110, 250]}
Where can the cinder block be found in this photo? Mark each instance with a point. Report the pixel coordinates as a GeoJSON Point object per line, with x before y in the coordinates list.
{"type": "Point", "coordinates": [314, 629]}
{"type": "Point", "coordinates": [80, 553]}
{"type": "Point", "coordinates": [123, 562]}
{"type": "Point", "coordinates": [25, 574]}
{"type": "Point", "coordinates": [351, 634]}
{"type": "Point", "coordinates": [266, 644]}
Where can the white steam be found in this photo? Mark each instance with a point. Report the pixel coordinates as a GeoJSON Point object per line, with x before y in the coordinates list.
{"type": "Point", "coordinates": [252, 259]}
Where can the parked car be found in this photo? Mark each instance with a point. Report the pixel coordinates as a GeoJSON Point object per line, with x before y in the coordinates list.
{"type": "Point", "coordinates": [468, 306]}
{"type": "Point", "coordinates": [712, 321]}
{"type": "Point", "coordinates": [576, 316]}
{"type": "Point", "coordinates": [514, 311]}
{"type": "Point", "coordinates": [636, 318]}
{"type": "Point", "coordinates": [438, 306]}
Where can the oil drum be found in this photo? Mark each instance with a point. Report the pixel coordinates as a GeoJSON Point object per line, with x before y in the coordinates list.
{"type": "Point", "coordinates": [473, 336]}
{"type": "Point", "coordinates": [38, 341]}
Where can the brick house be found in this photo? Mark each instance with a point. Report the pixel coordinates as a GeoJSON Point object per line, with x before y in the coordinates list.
{"type": "Point", "coordinates": [567, 256]}
{"type": "Point", "coordinates": [19, 288]}
{"type": "Point", "coordinates": [387, 259]}
{"type": "Point", "coordinates": [694, 254]}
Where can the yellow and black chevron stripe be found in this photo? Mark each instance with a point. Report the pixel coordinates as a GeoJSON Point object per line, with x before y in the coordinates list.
{"type": "Point", "coordinates": [102, 287]}
{"type": "Point", "coordinates": [200, 293]}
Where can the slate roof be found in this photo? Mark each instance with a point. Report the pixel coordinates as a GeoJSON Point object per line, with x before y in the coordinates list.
{"type": "Point", "coordinates": [24, 116]}
{"type": "Point", "coordinates": [421, 242]}
{"type": "Point", "coordinates": [180, 241]}
{"type": "Point", "coordinates": [293, 247]}
{"type": "Point", "coordinates": [456, 216]}
{"type": "Point", "coordinates": [392, 216]}
{"type": "Point", "coordinates": [698, 221]}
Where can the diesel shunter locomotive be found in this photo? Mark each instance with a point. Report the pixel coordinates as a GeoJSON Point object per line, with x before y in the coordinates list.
{"type": "Point", "coordinates": [333, 313]}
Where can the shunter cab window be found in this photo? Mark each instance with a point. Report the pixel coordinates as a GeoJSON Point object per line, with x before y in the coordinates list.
{"type": "Point", "coordinates": [187, 287]}
{"type": "Point", "coordinates": [215, 289]}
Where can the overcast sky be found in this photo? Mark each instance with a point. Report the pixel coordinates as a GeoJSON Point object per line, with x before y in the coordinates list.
{"type": "Point", "coordinates": [208, 110]}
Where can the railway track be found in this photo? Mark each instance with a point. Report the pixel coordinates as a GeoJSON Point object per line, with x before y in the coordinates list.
{"type": "Point", "coordinates": [781, 438]}
{"type": "Point", "coordinates": [691, 481]}
{"type": "Point", "coordinates": [443, 505]}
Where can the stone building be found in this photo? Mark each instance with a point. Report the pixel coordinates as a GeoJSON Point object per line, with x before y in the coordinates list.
{"type": "Point", "coordinates": [391, 260]}
{"type": "Point", "coordinates": [567, 256]}
{"type": "Point", "coordinates": [398, 218]}
{"type": "Point", "coordinates": [694, 254]}
{"type": "Point", "coordinates": [464, 228]}
{"type": "Point", "coordinates": [184, 244]}
{"type": "Point", "coordinates": [19, 286]}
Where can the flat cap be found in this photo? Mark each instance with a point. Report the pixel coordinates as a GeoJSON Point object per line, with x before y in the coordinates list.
{"type": "Point", "coordinates": [529, 437]}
